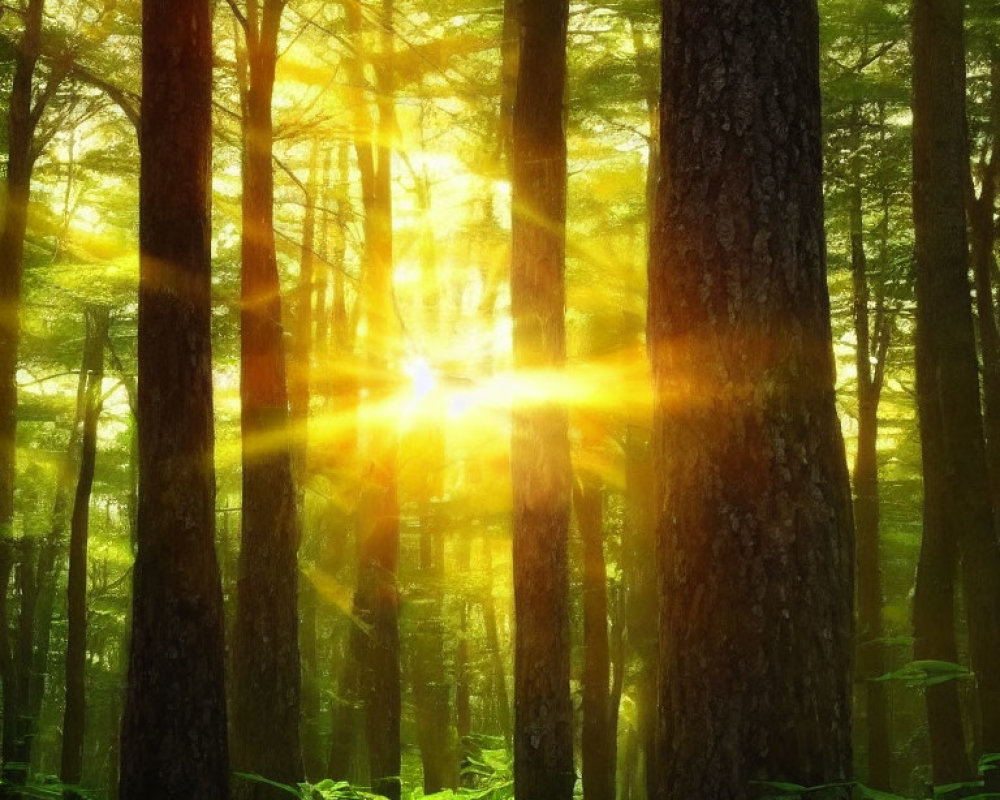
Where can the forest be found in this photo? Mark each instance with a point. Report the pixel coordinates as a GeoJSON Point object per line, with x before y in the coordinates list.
{"type": "Point", "coordinates": [497, 399]}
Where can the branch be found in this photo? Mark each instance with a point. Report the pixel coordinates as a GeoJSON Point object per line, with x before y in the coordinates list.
{"type": "Point", "coordinates": [240, 18]}
{"type": "Point", "coordinates": [127, 101]}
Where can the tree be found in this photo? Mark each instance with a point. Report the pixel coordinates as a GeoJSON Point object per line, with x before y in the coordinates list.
{"type": "Point", "coordinates": [266, 671]}
{"type": "Point", "coordinates": [174, 727]}
{"type": "Point", "coordinates": [754, 527]}
{"type": "Point", "coordinates": [958, 503]}
{"type": "Point", "coordinates": [540, 463]}
{"type": "Point", "coordinates": [74, 717]}
{"type": "Point", "coordinates": [23, 115]}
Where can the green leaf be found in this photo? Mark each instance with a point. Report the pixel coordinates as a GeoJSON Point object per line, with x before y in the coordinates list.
{"type": "Point", "coordinates": [249, 776]}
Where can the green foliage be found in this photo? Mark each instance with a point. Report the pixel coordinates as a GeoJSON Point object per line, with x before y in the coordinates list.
{"type": "Point", "coordinates": [323, 790]}
{"type": "Point", "coordinates": [926, 673]}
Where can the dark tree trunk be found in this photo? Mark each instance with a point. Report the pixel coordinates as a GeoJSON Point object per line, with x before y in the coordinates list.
{"type": "Point", "coordinates": [267, 680]}
{"type": "Point", "coordinates": [949, 390]}
{"type": "Point", "coordinates": [540, 466]}
{"type": "Point", "coordinates": [22, 120]}
{"type": "Point", "coordinates": [754, 531]}
{"type": "Point", "coordinates": [982, 229]}
{"type": "Point", "coordinates": [934, 594]}
{"type": "Point", "coordinates": [174, 728]}
{"type": "Point", "coordinates": [870, 653]}
{"type": "Point", "coordinates": [600, 739]}
{"type": "Point", "coordinates": [74, 716]}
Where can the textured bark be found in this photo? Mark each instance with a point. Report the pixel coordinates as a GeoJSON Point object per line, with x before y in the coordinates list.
{"type": "Point", "coordinates": [267, 681]}
{"type": "Point", "coordinates": [540, 467]}
{"type": "Point", "coordinates": [174, 728]}
{"type": "Point", "coordinates": [74, 716]}
{"type": "Point", "coordinates": [754, 527]}
{"type": "Point", "coordinates": [949, 395]}
{"type": "Point", "coordinates": [870, 654]}
{"type": "Point", "coordinates": [599, 737]}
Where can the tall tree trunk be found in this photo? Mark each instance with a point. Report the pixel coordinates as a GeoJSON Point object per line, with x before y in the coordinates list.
{"type": "Point", "coordinates": [540, 465]}
{"type": "Point", "coordinates": [540, 469]}
{"type": "Point", "coordinates": [982, 229]}
{"type": "Point", "coordinates": [870, 653]}
{"type": "Point", "coordinates": [74, 716]}
{"type": "Point", "coordinates": [376, 600]}
{"type": "Point", "coordinates": [934, 592]}
{"type": "Point", "coordinates": [267, 680]}
{"type": "Point", "coordinates": [945, 338]}
{"type": "Point", "coordinates": [174, 728]}
{"type": "Point", "coordinates": [300, 392]}
{"type": "Point", "coordinates": [22, 119]}
{"type": "Point", "coordinates": [599, 737]}
{"type": "Point", "coordinates": [754, 527]}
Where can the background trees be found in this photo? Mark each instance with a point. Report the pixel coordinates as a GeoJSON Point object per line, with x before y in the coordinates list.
{"type": "Point", "coordinates": [390, 159]}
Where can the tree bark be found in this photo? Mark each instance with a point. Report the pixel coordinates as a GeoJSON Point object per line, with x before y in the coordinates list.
{"type": "Point", "coordinates": [949, 396]}
{"type": "Point", "coordinates": [540, 465]}
{"type": "Point", "coordinates": [74, 716]}
{"type": "Point", "coordinates": [174, 728]}
{"type": "Point", "coordinates": [267, 680]}
{"type": "Point", "coordinates": [754, 529]}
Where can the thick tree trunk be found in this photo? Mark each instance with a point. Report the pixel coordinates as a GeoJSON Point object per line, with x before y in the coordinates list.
{"type": "Point", "coordinates": [945, 337]}
{"type": "Point", "coordinates": [174, 729]}
{"type": "Point", "coordinates": [599, 747]}
{"type": "Point", "coordinates": [540, 466]}
{"type": "Point", "coordinates": [754, 526]}
{"type": "Point", "coordinates": [74, 716]}
{"type": "Point", "coordinates": [267, 680]}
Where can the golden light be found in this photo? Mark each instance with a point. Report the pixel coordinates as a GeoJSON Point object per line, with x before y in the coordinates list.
{"type": "Point", "coordinates": [423, 379]}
